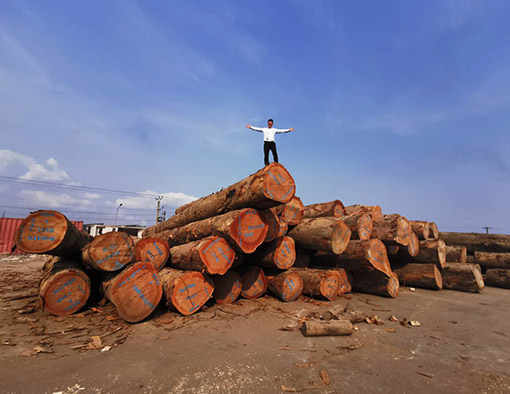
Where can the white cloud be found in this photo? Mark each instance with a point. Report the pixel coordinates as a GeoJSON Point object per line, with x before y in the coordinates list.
{"type": "Point", "coordinates": [92, 196]}
{"type": "Point", "coordinates": [48, 172]}
{"type": "Point", "coordinates": [144, 202]}
{"type": "Point", "coordinates": [52, 200]}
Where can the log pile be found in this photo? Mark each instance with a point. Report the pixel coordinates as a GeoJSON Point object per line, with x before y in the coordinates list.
{"type": "Point", "coordinates": [252, 238]}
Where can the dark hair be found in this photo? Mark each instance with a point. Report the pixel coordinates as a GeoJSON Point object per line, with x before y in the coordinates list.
{"type": "Point", "coordinates": [270, 120]}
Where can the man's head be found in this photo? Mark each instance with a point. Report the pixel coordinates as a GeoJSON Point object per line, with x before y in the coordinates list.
{"type": "Point", "coordinates": [270, 123]}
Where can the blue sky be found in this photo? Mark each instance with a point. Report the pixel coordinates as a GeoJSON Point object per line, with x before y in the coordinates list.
{"type": "Point", "coordinates": [404, 104]}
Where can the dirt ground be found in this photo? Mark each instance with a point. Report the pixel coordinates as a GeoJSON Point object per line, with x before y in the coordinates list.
{"type": "Point", "coordinates": [254, 346]}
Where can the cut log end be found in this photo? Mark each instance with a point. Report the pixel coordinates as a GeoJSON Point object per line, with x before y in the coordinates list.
{"type": "Point", "coordinates": [285, 253]}
{"type": "Point", "coordinates": [217, 255]}
{"type": "Point", "coordinates": [254, 283]}
{"type": "Point", "coordinates": [393, 286]}
{"type": "Point", "coordinates": [344, 281]}
{"type": "Point", "coordinates": [403, 231]}
{"type": "Point", "coordinates": [272, 222]}
{"type": "Point", "coordinates": [339, 209]}
{"type": "Point", "coordinates": [330, 284]}
{"type": "Point", "coordinates": [414, 245]}
{"type": "Point", "coordinates": [191, 291]}
{"type": "Point", "coordinates": [248, 230]}
{"type": "Point", "coordinates": [365, 227]}
{"type": "Point", "coordinates": [283, 227]}
{"type": "Point", "coordinates": [278, 183]}
{"type": "Point", "coordinates": [441, 252]}
{"type": "Point", "coordinates": [340, 237]}
{"type": "Point", "coordinates": [109, 251]}
{"type": "Point", "coordinates": [152, 250]}
{"type": "Point", "coordinates": [378, 256]}
{"type": "Point", "coordinates": [65, 292]}
{"type": "Point", "coordinates": [227, 288]}
{"type": "Point", "coordinates": [434, 231]}
{"type": "Point", "coordinates": [41, 232]}
{"type": "Point", "coordinates": [288, 286]}
{"type": "Point", "coordinates": [293, 211]}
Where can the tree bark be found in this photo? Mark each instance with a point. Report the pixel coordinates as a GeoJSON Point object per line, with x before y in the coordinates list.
{"type": "Point", "coordinates": [374, 211]}
{"type": "Point", "coordinates": [456, 254]}
{"type": "Point", "coordinates": [244, 230]}
{"type": "Point", "coordinates": [492, 260]}
{"type": "Point", "coordinates": [211, 255]}
{"type": "Point", "coordinates": [326, 209]}
{"type": "Point", "coordinates": [421, 228]}
{"type": "Point", "coordinates": [426, 276]}
{"type": "Point", "coordinates": [152, 250]}
{"type": "Point", "coordinates": [474, 242]}
{"type": "Point", "coordinates": [287, 286]}
{"type": "Point", "coordinates": [186, 291]}
{"type": "Point", "coordinates": [326, 234]}
{"type": "Point", "coordinates": [431, 251]}
{"type": "Point", "coordinates": [254, 282]}
{"type": "Point", "coordinates": [361, 226]}
{"type": "Point", "coordinates": [377, 284]}
{"type": "Point", "coordinates": [270, 186]}
{"type": "Point", "coordinates": [135, 291]}
{"type": "Point", "coordinates": [313, 328]}
{"type": "Point", "coordinates": [393, 228]}
{"type": "Point", "coordinates": [462, 277]}
{"type": "Point", "coordinates": [364, 256]}
{"type": "Point", "coordinates": [497, 277]}
{"type": "Point", "coordinates": [227, 288]}
{"type": "Point", "coordinates": [280, 253]}
{"type": "Point", "coordinates": [293, 211]}
{"type": "Point", "coordinates": [109, 252]}
{"type": "Point", "coordinates": [413, 249]}
{"type": "Point", "coordinates": [50, 232]}
{"type": "Point", "coordinates": [319, 283]}
{"type": "Point", "coordinates": [65, 288]}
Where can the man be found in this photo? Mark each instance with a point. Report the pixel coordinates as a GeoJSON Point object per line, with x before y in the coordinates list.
{"type": "Point", "coordinates": [269, 143]}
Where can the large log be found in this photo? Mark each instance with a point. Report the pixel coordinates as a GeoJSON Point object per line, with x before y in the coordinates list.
{"type": "Point", "coordinates": [272, 222]}
{"type": "Point", "coordinates": [186, 291]}
{"type": "Point", "coordinates": [492, 260]}
{"type": "Point", "coordinates": [413, 248]}
{"type": "Point", "coordinates": [421, 228]}
{"type": "Point", "coordinates": [280, 253]}
{"type": "Point", "coordinates": [227, 288]}
{"type": "Point", "coordinates": [287, 286]}
{"type": "Point", "coordinates": [109, 252]}
{"type": "Point", "coordinates": [345, 281]}
{"type": "Point", "coordinates": [374, 211]}
{"type": "Point", "coordinates": [319, 283]}
{"type": "Point", "coordinates": [497, 277]}
{"type": "Point", "coordinates": [65, 288]}
{"type": "Point", "coordinates": [326, 209]}
{"type": "Point", "coordinates": [254, 283]}
{"type": "Point", "coordinates": [377, 283]}
{"type": "Point", "coordinates": [393, 228]}
{"type": "Point", "coordinates": [50, 232]}
{"type": "Point", "coordinates": [270, 186]}
{"type": "Point", "coordinates": [211, 255]}
{"type": "Point", "coordinates": [363, 256]}
{"type": "Point", "coordinates": [431, 251]}
{"type": "Point", "coordinates": [314, 328]}
{"type": "Point", "coordinates": [425, 276]}
{"type": "Point", "coordinates": [293, 211]}
{"type": "Point", "coordinates": [243, 229]}
{"type": "Point", "coordinates": [361, 226]}
{"type": "Point", "coordinates": [456, 254]}
{"type": "Point", "coordinates": [462, 277]}
{"type": "Point", "coordinates": [474, 242]}
{"type": "Point", "coordinates": [135, 291]}
{"type": "Point", "coordinates": [326, 234]}
{"type": "Point", "coordinates": [152, 250]}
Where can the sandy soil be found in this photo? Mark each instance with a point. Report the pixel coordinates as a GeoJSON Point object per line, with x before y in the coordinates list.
{"type": "Point", "coordinates": [254, 346]}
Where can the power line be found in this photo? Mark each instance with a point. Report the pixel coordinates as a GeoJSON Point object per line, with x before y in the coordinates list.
{"type": "Point", "coordinates": [78, 212]}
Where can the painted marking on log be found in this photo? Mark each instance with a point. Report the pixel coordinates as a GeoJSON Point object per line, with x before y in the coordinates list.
{"type": "Point", "coordinates": [59, 289]}
{"type": "Point", "coordinates": [73, 304]}
{"type": "Point", "coordinates": [151, 256]}
{"type": "Point", "coordinates": [222, 253]}
{"type": "Point", "coordinates": [187, 288]}
{"type": "Point", "coordinates": [291, 189]}
{"type": "Point", "coordinates": [160, 252]}
{"type": "Point", "coordinates": [130, 277]}
{"type": "Point", "coordinates": [142, 296]}
{"type": "Point", "coordinates": [290, 283]}
{"type": "Point", "coordinates": [343, 234]}
{"type": "Point", "coordinates": [275, 178]}
{"type": "Point", "coordinates": [286, 248]}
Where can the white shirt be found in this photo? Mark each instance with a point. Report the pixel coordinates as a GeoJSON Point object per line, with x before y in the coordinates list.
{"type": "Point", "coordinates": [269, 132]}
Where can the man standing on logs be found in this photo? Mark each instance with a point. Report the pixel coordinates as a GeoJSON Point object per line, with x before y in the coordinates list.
{"type": "Point", "coordinates": [269, 143]}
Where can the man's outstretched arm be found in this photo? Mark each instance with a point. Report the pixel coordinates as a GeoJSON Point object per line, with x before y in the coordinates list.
{"type": "Point", "coordinates": [285, 130]}
{"type": "Point", "coordinates": [254, 128]}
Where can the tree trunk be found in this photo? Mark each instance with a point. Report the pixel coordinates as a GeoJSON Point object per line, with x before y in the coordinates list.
{"type": "Point", "coordinates": [374, 211]}
{"type": "Point", "coordinates": [497, 277]}
{"type": "Point", "coordinates": [421, 228]}
{"type": "Point", "coordinates": [270, 186]}
{"type": "Point", "coordinates": [272, 222]}
{"type": "Point", "coordinates": [345, 281]}
{"type": "Point", "coordinates": [211, 255]}
{"type": "Point", "coordinates": [293, 211]}
{"type": "Point", "coordinates": [462, 277]}
{"type": "Point", "coordinates": [319, 283]}
{"type": "Point", "coordinates": [431, 251]}
{"type": "Point", "coordinates": [361, 226]}
{"type": "Point", "coordinates": [254, 282]}
{"type": "Point", "coordinates": [364, 256]}
{"type": "Point", "coordinates": [377, 283]}
{"type": "Point", "coordinates": [135, 291]}
{"type": "Point", "coordinates": [65, 288]}
{"type": "Point", "coordinates": [474, 242]}
{"type": "Point", "coordinates": [280, 253]}
{"type": "Point", "coordinates": [109, 252]}
{"type": "Point", "coordinates": [326, 234]}
{"type": "Point", "coordinates": [287, 286]}
{"type": "Point", "coordinates": [244, 230]}
{"type": "Point", "coordinates": [426, 276]}
{"type": "Point", "coordinates": [456, 254]}
{"type": "Point", "coordinates": [326, 209]}
{"type": "Point", "coordinates": [152, 250]}
{"type": "Point", "coordinates": [186, 291]}
{"type": "Point", "coordinates": [227, 288]}
{"type": "Point", "coordinates": [50, 232]}
{"type": "Point", "coordinates": [393, 228]}
{"type": "Point", "coordinates": [492, 260]}
{"type": "Point", "coordinates": [314, 328]}
{"type": "Point", "coordinates": [413, 249]}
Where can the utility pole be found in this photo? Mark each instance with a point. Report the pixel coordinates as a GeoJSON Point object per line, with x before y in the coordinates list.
{"type": "Point", "coordinates": [486, 229]}
{"type": "Point", "coordinates": [158, 200]}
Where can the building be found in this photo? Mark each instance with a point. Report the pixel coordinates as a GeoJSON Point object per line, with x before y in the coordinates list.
{"type": "Point", "coordinates": [95, 229]}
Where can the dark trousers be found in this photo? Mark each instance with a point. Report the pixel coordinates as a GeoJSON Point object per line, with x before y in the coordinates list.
{"type": "Point", "coordinates": [270, 146]}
